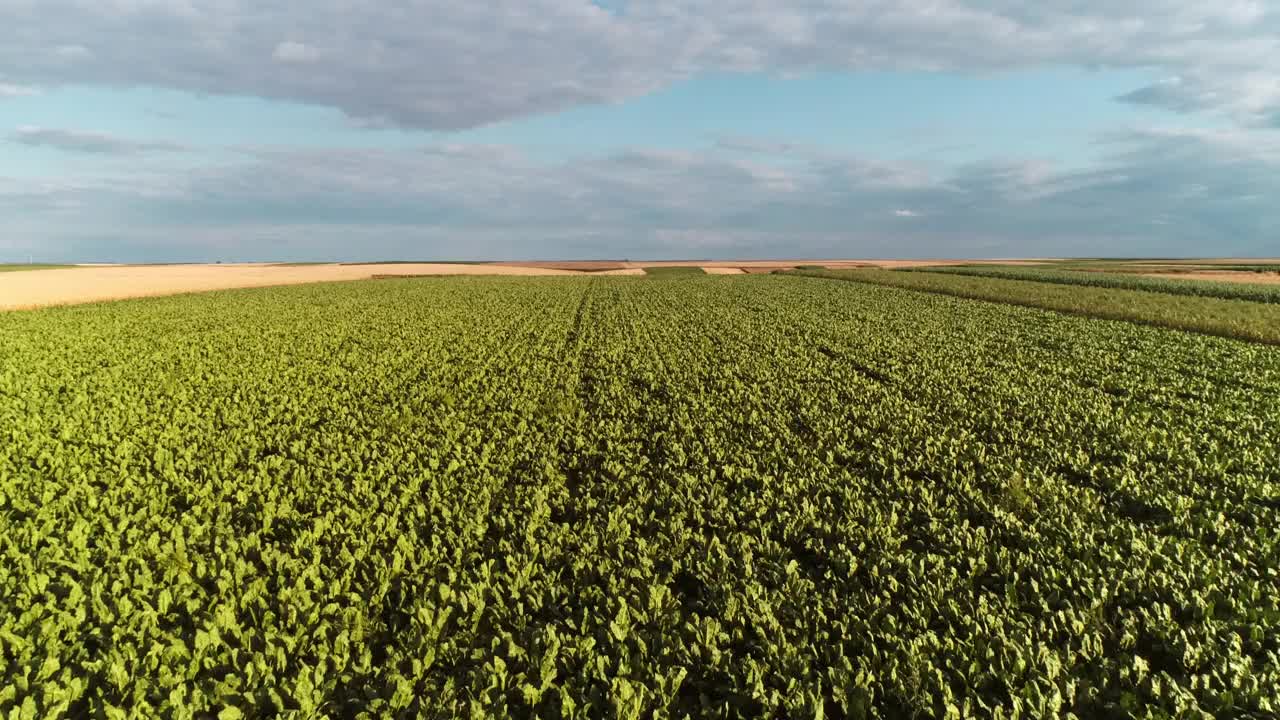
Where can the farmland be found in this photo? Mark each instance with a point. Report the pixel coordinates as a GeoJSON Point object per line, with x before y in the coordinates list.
{"type": "Point", "coordinates": [54, 286]}
{"type": "Point", "coordinates": [1254, 291]}
{"type": "Point", "coordinates": [27, 267]}
{"type": "Point", "coordinates": [1253, 319]}
{"type": "Point", "coordinates": [663, 496]}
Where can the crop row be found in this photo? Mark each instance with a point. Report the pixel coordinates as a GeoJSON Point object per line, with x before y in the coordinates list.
{"type": "Point", "coordinates": [1122, 281]}
{"type": "Point", "coordinates": [567, 497]}
{"type": "Point", "coordinates": [1239, 319]}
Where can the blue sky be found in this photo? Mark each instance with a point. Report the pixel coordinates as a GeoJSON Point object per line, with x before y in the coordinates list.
{"type": "Point", "coordinates": [136, 130]}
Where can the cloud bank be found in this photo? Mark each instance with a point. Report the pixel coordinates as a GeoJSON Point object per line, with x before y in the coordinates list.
{"type": "Point", "coordinates": [1157, 192]}
{"type": "Point", "coordinates": [444, 65]}
{"type": "Point", "coordinates": [440, 64]}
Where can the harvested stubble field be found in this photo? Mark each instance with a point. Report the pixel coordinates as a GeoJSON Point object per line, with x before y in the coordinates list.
{"type": "Point", "coordinates": [40, 288]}
{"type": "Point", "coordinates": [581, 497]}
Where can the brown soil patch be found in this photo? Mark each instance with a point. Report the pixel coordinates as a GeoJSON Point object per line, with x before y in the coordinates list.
{"type": "Point", "coordinates": [1268, 278]}
{"type": "Point", "coordinates": [717, 270]}
{"type": "Point", "coordinates": [39, 288]}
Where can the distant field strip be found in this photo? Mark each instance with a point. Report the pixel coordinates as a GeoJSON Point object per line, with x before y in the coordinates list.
{"type": "Point", "coordinates": [1240, 319]}
{"type": "Point", "coordinates": [674, 271]}
{"type": "Point", "coordinates": [1118, 281]}
{"type": "Point", "coordinates": [95, 284]}
{"type": "Point", "coordinates": [17, 267]}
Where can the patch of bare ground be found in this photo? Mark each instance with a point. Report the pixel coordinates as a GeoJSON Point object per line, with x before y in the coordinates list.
{"type": "Point", "coordinates": [1264, 278]}
{"type": "Point", "coordinates": [716, 270]}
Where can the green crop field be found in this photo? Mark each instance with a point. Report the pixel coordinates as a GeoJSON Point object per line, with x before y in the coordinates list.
{"type": "Point", "coordinates": [674, 270]}
{"type": "Point", "coordinates": [760, 496]}
{"type": "Point", "coordinates": [1233, 318]}
{"type": "Point", "coordinates": [20, 267]}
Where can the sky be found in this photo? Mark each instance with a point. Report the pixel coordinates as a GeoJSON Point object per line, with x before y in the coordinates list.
{"type": "Point", "coordinates": [282, 130]}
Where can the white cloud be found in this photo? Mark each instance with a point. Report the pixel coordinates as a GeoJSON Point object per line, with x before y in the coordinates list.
{"type": "Point", "coordinates": [1252, 98]}
{"type": "Point", "coordinates": [906, 213]}
{"type": "Point", "coordinates": [442, 64]}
